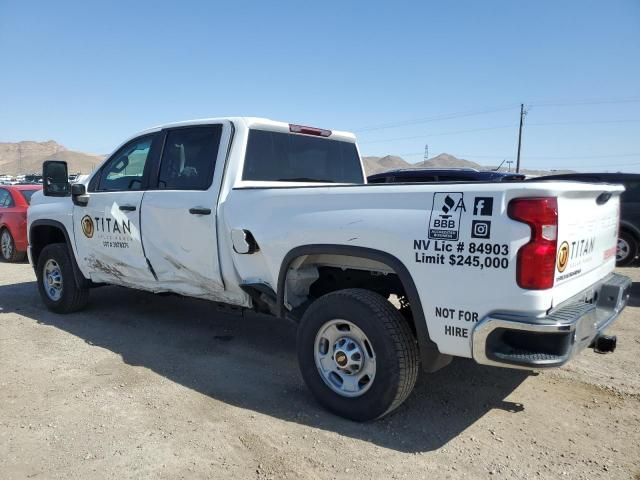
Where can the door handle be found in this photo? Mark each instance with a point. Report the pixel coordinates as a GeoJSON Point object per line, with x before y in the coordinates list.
{"type": "Point", "coordinates": [200, 211]}
{"type": "Point", "coordinates": [127, 208]}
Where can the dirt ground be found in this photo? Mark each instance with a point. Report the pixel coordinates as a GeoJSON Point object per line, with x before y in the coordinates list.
{"type": "Point", "coordinates": [144, 386]}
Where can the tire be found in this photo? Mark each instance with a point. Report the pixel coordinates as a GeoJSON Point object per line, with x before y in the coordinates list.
{"type": "Point", "coordinates": [8, 250]}
{"type": "Point", "coordinates": [389, 347]}
{"type": "Point", "coordinates": [55, 267]}
{"type": "Point", "coordinates": [627, 249]}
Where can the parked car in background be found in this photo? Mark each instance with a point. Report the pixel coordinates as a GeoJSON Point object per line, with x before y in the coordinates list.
{"type": "Point", "coordinates": [419, 175]}
{"type": "Point", "coordinates": [629, 233]}
{"type": "Point", "coordinates": [14, 201]}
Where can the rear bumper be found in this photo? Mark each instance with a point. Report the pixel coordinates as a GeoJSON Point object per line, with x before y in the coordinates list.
{"type": "Point", "coordinates": [521, 342]}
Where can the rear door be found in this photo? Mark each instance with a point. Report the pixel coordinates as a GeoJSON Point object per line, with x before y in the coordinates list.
{"type": "Point", "coordinates": [179, 228]}
{"type": "Point", "coordinates": [107, 229]}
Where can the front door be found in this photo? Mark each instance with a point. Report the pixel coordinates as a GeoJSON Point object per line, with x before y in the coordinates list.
{"type": "Point", "coordinates": [107, 229]}
{"type": "Point", "coordinates": [179, 229]}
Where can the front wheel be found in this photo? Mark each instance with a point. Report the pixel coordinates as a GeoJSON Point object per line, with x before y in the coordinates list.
{"type": "Point", "coordinates": [56, 283]}
{"type": "Point", "coordinates": [357, 354]}
{"type": "Point", "coordinates": [627, 249]}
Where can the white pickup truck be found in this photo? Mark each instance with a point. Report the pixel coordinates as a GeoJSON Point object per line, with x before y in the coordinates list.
{"type": "Point", "coordinates": [278, 217]}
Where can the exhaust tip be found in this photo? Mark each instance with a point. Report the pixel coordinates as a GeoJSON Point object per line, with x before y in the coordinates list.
{"type": "Point", "coordinates": [604, 343]}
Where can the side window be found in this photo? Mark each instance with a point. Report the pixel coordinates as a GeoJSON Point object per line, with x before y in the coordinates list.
{"type": "Point", "coordinates": [126, 169]}
{"type": "Point", "coordinates": [189, 158]}
{"type": "Point", "coordinates": [5, 197]}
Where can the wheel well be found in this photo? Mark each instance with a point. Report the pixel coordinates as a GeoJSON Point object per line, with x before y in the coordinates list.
{"type": "Point", "coordinates": [630, 231]}
{"type": "Point", "coordinates": [43, 235]}
{"type": "Point", "coordinates": [309, 280]}
{"type": "Point", "coordinates": [308, 272]}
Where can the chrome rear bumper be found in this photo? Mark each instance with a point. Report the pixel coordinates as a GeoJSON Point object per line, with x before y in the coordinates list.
{"type": "Point", "coordinates": [520, 342]}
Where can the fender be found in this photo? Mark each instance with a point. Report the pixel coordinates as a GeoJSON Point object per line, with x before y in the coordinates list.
{"type": "Point", "coordinates": [431, 357]}
{"type": "Point", "coordinates": [80, 279]}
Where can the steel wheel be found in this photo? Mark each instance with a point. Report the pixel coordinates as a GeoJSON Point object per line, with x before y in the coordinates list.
{"type": "Point", "coordinates": [52, 280]}
{"type": "Point", "coordinates": [623, 251]}
{"type": "Point", "coordinates": [345, 358]}
{"type": "Point", "coordinates": [6, 245]}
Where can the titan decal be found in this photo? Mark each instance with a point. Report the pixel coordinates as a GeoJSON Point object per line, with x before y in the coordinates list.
{"type": "Point", "coordinates": [563, 256]}
{"type": "Point", "coordinates": [87, 226]}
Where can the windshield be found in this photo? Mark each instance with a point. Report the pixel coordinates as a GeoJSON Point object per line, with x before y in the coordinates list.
{"type": "Point", "coordinates": [286, 157]}
{"type": "Point", "coordinates": [27, 194]}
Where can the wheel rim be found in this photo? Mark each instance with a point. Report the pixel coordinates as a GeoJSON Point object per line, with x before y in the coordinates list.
{"type": "Point", "coordinates": [345, 358]}
{"type": "Point", "coordinates": [6, 244]}
{"type": "Point", "coordinates": [52, 280]}
{"type": "Point", "coordinates": [623, 249]}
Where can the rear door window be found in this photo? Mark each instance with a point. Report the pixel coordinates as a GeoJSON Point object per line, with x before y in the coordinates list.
{"type": "Point", "coordinates": [5, 198]}
{"type": "Point", "coordinates": [189, 158]}
{"type": "Point", "coordinates": [288, 157]}
{"type": "Point", "coordinates": [27, 194]}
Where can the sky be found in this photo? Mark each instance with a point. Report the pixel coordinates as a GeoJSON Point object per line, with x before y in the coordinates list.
{"type": "Point", "coordinates": [401, 75]}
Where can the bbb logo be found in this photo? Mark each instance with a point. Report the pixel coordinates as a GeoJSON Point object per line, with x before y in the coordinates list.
{"type": "Point", "coordinates": [483, 206]}
{"type": "Point", "coordinates": [480, 229]}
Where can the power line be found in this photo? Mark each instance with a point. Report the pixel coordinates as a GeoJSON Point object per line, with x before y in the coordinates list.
{"type": "Point", "coordinates": [435, 118]}
{"type": "Point", "coordinates": [586, 102]}
{"type": "Point", "coordinates": [426, 135]}
{"type": "Point", "coordinates": [579, 122]}
{"type": "Point", "coordinates": [560, 103]}
{"type": "Point", "coordinates": [498, 127]}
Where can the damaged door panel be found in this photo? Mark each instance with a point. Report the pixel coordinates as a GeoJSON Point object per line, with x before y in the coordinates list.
{"type": "Point", "coordinates": [179, 229]}
{"type": "Point", "coordinates": [107, 229]}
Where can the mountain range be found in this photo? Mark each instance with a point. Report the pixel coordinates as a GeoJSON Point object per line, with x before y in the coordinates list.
{"type": "Point", "coordinates": [27, 157]}
{"type": "Point", "coordinates": [390, 162]}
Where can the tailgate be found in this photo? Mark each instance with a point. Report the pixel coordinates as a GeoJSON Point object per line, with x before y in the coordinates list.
{"type": "Point", "coordinates": [588, 219]}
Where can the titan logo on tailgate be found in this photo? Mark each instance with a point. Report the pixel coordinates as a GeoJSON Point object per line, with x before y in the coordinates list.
{"type": "Point", "coordinates": [575, 254]}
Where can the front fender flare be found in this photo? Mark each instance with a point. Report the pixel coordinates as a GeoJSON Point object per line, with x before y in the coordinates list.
{"type": "Point", "coordinates": [80, 279]}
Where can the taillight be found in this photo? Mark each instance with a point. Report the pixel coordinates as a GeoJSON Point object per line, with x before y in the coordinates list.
{"type": "Point", "coordinates": [536, 263]}
{"type": "Point", "coordinates": [319, 132]}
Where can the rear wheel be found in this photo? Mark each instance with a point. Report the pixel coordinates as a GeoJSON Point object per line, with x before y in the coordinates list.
{"type": "Point", "coordinates": [627, 249]}
{"type": "Point", "coordinates": [56, 282]}
{"type": "Point", "coordinates": [8, 247]}
{"type": "Point", "coordinates": [357, 354]}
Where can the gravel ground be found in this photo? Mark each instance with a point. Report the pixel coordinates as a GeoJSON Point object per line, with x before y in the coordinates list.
{"type": "Point", "coordinates": [144, 386]}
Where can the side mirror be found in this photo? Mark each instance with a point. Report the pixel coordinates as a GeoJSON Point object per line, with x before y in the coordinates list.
{"type": "Point", "coordinates": [55, 179]}
{"type": "Point", "coordinates": [79, 194]}
{"type": "Point", "coordinates": [78, 189]}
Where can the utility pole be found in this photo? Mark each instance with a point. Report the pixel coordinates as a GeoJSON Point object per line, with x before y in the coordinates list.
{"type": "Point", "coordinates": [509, 162]}
{"type": "Point", "coordinates": [522, 114]}
{"type": "Point", "coordinates": [426, 152]}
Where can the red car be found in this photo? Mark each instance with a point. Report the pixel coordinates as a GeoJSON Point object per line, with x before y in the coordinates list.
{"type": "Point", "coordinates": [14, 201]}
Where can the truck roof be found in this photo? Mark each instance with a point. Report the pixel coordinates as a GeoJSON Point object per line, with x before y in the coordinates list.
{"type": "Point", "coordinates": [248, 122]}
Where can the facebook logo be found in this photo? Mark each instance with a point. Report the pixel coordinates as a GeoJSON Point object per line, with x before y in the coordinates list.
{"type": "Point", "coordinates": [483, 206]}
